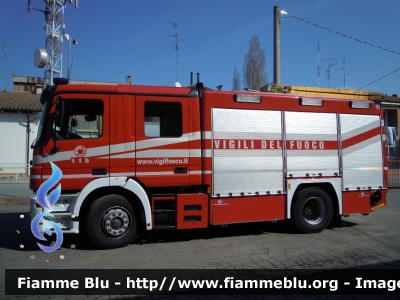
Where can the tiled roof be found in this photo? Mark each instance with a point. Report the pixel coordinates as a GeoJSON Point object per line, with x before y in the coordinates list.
{"type": "Point", "coordinates": [19, 101]}
{"type": "Point", "coordinates": [393, 98]}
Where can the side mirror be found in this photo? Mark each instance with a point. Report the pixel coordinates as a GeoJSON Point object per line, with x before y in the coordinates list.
{"type": "Point", "coordinates": [35, 144]}
{"type": "Point", "coordinates": [90, 118]}
{"type": "Point", "coordinates": [59, 114]}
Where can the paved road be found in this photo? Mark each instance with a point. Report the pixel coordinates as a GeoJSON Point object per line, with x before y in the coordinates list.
{"type": "Point", "coordinates": [362, 241]}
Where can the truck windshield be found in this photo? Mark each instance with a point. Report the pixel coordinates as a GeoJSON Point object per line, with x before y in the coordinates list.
{"type": "Point", "coordinates": [81, 119]}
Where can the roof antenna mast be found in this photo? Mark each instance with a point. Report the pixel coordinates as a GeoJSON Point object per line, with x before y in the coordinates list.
{"type": "Point", "coordinates": [328, 71]}
{"type": "Point", "coordinates": [5, 48]}
{"type": "Point", "coordinates": [344, 73]}
{"type": "Point", "coordinates": [177, 40]}
{"type": "Point", "coordinates": [54, 26]}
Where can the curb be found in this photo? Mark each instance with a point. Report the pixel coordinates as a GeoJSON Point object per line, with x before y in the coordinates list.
{"type": "Point", "coordinates": [14, 200]}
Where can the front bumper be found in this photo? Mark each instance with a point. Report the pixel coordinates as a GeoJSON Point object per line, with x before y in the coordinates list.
{"type": "Point", "coordinates": [61, 215]}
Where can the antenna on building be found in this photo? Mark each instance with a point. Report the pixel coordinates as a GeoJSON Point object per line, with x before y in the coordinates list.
{"type": "Point", "coordinates": [344, 73]}
{"type": "Point", "coordinates": [5, 48]}
{"type": "Point", "coordinates": [54, 25]}
{"type": "Point", "coordinates": [318, 67]}
{"type": "Point", "coordinates": [328, 71]}
{"type": "Point", "coordinates": [177, 40]}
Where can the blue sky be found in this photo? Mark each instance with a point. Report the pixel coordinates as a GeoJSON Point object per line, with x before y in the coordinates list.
{"type": "Point", "coordinates": [126, 37]}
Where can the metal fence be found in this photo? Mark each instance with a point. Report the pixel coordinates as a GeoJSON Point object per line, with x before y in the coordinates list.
{"type": "Point", "coordinates": [394, 172]}
{"type": "Point", "coordinates": [14, 173]}
{"type": "Point", "coordinates": [14, 180]}
{"type": "Point", "coordinates": [14, 183]}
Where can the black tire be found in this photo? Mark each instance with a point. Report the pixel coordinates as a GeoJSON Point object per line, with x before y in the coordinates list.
{"type": "Point", "coordinates": [110, 222]}
{"type": "Point", "coordinates": [312, 210]}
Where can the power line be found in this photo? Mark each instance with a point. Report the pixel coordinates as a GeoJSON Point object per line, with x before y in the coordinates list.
{"type": "Point", "coordinates": [379, 79]}
{"type": "Point", "coordinates": [285, 15]}
{"type": "Point", "coordinates": [342, 34]}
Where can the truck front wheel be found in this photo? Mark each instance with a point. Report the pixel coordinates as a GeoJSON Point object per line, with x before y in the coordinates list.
{"type": "Point", "coordinates": [110, 222]}
{"type": "Point", "coordinates": [312, 210]}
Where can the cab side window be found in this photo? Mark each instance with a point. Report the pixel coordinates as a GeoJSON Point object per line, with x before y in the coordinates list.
{"type": "Point", "coordinates": [162, 119]}
{"type": "Point", "coordinates": [81, 119]}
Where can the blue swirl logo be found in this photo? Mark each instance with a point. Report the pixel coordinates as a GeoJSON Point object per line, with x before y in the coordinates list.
{"type": "Point", "coordinates": [48, 202]}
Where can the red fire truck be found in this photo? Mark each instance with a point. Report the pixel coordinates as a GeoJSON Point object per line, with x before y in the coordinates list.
{"type": "Point", "coordinates": [145, 158]}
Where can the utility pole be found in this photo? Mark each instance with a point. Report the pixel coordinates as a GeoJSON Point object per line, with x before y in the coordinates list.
{"type": "Point", "coordinates": [277, 45]}
{"type": "Point", "coordinates": [70, 40]}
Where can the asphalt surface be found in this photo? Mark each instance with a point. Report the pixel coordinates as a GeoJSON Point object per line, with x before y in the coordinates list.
{"type": "Point", "coordinates": [371, 242]}
{"type": "Point", "coordinates": [14, 193]}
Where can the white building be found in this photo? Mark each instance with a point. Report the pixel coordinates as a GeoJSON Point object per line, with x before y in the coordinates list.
{"type": "Point", "coordinates": [19, 116]}
{"type": "Point", "coordinates": [20, 112]}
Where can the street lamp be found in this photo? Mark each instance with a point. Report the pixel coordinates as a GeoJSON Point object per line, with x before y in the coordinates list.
{"type": "Point", "coordinates": [71, 41]}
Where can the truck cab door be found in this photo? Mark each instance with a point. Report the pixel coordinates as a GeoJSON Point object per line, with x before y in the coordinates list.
{"type": "Point", "coordinates": [79, 142]}
{"type": "Point", "coordinates": [162, 141]}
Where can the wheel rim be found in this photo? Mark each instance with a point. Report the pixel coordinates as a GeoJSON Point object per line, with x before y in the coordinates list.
{"type": "Point", "coordinates": [115, 222]}
{"type": "Point", "coordinates": [314, 210]}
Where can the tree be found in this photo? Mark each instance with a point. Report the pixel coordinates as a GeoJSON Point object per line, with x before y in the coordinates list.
{"type": "Point", "coordinates": [254, 76]}
{"type": "Point", "coordinates": [236, 80]}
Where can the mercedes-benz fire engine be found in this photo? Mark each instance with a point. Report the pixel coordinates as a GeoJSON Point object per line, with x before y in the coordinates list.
{"type": "Point", "coordinates": [145, 158]}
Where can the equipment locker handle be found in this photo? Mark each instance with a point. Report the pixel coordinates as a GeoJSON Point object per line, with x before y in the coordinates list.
{"type": "Point", "coordinates": [180, 170]}
{"type": "Point", "coordinates": [99, 171]}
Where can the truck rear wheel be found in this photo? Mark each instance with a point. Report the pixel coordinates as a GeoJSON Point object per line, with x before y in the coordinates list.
{"type": "Point", "coordinates": [312, 210]}
{"type": "Point", "coordinates": [111, 222]}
